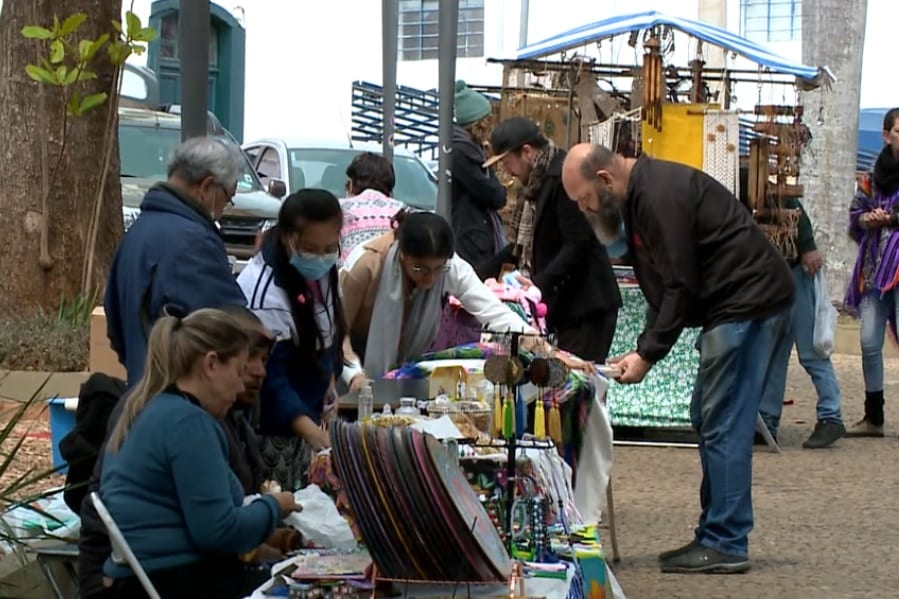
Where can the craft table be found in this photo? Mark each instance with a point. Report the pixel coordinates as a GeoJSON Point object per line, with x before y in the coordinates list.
{"type": "Point", "coordinates": [534, 587]}
{"type": "Point", "coordinates": [662, 400]}
{"type": "Point", "coordinates": [594, 452]}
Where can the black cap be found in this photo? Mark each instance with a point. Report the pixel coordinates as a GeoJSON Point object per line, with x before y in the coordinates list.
{"type": "Point", "coordinates": [510, 135]}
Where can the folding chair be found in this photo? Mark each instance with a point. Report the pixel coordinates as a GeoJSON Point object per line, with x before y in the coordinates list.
{"type": "Point", "coordinates": [762, 429]}
{"type": "Point", "coordinates": [50, 557]}
{"type": "Point", "coordinates": [121, 552]}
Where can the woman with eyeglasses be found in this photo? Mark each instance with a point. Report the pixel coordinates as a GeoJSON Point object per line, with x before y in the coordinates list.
{"type": "Point", "coordinates": [291, 285]}
{"type": "Point", "coordinates": [395, 287]}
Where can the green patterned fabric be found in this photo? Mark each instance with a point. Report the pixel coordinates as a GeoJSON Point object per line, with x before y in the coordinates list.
{"type": "Point", "coordinates": [663, 398]}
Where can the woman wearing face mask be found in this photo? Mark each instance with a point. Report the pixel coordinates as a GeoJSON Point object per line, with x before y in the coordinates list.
{"type": "Point", "coordinates": [396, 286]}
{"type": "Point", "coordinates": [165, 477]}
{"type": "Point", "coordinates": [291, 285]}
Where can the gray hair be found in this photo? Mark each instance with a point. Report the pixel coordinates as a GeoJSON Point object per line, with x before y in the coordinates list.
{"type": "Point", "coordinates": [598, 158]}
{"type": "Point", "coordinates": [201, 157]}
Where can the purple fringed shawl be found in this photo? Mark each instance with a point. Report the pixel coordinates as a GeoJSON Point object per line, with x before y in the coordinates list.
{"type": "Point", "coordinates": [885, 264]}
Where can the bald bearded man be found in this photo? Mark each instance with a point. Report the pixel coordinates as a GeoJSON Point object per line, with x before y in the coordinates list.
{"type": "Point", "coordinates": [700, 261]}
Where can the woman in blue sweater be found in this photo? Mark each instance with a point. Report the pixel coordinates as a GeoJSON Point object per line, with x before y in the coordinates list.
{"type": "Point", "coordinates": [165, 478]}
{"type": "Point", "coordinates": [291, 284]}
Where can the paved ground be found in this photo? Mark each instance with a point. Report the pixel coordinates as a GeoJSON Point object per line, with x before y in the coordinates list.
{"type": "Point", "coordinates": [826, 520]}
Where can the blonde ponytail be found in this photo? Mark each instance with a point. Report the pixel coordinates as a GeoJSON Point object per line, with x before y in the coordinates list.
{"type": "Point", "coordinates": [174, 346]}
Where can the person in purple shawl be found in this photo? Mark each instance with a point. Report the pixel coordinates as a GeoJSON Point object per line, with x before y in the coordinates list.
{"type": "Point", "coordinates": [874, 226]}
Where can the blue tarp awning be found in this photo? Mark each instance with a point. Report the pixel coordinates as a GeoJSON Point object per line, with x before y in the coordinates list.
{"type": "Point", "coordinates": [622, 24]}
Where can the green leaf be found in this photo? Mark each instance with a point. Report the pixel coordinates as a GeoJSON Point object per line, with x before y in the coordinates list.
{"type": "Point", "coordinates": [57, 51]}
{"type": "Point", "coordinates": [84, 47]}
{"type": "Point", "coordinates": [61, 72]}
{"type": "Point", "coordinates": [56, 26]}
{"type": "Point", "coordinates": [72, 23]}
{"type": "Point", "coordinates": [33, 32]}
{"type": "Point", "coordinates": [92, 101]}
{"type": "Point", "coordinates": [118, 53]}
{"type": "Point", "coordinates": [117, 26]}
{"type": "Point", "coordinates": [79, 74]}
{"type": "Point", "coordinates": [40, 74]}
{"type": "Point", "coordinates": [86, 76]}
{"type": "Point", "coordinates": [147, 34]}
{"type": "Point", "coordinates": [133, 22]}
{"type": "Point", "coordinates": [87, 49]}
{"type": "Point", "coordinates": [73, 103]}
{"type": "Point", "coordinates": [138, 50]}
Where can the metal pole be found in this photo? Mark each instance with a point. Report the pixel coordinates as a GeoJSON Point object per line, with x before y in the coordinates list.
{"type": "Point", "coordinates": [390, 29]}
{"type": "Point", "coordinates": [193, 43]}
{"type": "Point", "coordinates": [449, 26]}
{"type": "Point", "coordinates": [523, 23]}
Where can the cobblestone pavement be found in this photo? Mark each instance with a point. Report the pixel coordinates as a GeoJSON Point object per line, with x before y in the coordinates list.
{"type": "Point", "coordinates": [826, 520]}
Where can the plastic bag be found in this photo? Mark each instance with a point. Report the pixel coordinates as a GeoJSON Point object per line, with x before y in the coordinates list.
{"type": "Point", "coordinates": [825, 318]}
{"type": "Point", "coordinates": [320, 523]}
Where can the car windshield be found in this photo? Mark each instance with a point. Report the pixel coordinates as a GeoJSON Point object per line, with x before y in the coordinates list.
{"type": "Point", "coordinates": [326, 169]}
{"type": "Point", "coordinates": [144, 153]}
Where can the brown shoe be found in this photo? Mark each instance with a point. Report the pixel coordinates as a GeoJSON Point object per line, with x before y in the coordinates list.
{"type": "Point", "coordinates": [864, 428]}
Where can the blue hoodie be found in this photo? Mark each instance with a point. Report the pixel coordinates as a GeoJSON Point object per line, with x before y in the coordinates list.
{"type": "Point", "coordinates": [172, 254]}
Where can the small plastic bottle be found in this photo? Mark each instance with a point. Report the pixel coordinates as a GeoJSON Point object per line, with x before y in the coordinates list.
{"type": "Point", "coordinates": [366, 403]}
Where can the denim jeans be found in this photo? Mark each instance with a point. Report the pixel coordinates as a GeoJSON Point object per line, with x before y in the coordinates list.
{"type": "Point", "coordinates": [873, 312]}
{"type": "Point", "coordinates": [801, 334]}
{"type": "Point", "coordinates": [735, 358]}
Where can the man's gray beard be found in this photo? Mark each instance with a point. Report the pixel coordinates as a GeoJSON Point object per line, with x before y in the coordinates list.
{"type": "Point", "coordinates": [606, 228]}
{"type": "Point", "coordinates": [606, 222]}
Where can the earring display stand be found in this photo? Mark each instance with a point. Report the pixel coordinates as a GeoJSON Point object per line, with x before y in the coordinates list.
{"type": "Point", "coordinates": [516, 376]}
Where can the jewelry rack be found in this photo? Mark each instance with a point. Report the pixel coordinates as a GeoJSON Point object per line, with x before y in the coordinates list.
{"type": "Point", "coordinates": [512, 442]}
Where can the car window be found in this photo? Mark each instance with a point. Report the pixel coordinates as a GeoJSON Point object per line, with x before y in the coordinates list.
{"type": "Point", "coordinates": [326, 169]}
{"type": "Point", "coordinates": [269, 166]}
{"type": "Point", "coordinates": [252, 153]}
{"type": "Point", "coordinates": [144, 153]}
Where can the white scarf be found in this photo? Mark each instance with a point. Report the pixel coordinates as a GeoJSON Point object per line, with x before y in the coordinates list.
{"type": "Point", "coordinates": [388, 322]}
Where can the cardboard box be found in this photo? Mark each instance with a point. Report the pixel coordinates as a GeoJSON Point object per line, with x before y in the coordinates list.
{"type": "Point", "coordinates": [101, 357]}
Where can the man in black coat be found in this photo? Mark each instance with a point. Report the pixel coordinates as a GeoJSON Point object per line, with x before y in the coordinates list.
{"type": "Point", "coordinates": [555, 246]}
{"type": "Point", "coordinates": [700, 261]}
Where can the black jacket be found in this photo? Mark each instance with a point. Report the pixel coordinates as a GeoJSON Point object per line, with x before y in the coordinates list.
{"type": "Point", "coordinates": [96, 399]}
{"type": "Point", "coordinates": [698, 256]}
{"type": "Point", "coordinates": [570, 266]}
{"type": "Point", "coordinates": [93, 542]}
{"type": "Point", "coordinates": [476, 196]}
{"type": "Point", "coordinates": [244, 454]}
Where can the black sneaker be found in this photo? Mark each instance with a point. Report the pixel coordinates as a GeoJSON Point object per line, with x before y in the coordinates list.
{"type": "Point", "coordinates": [704, 560]}
{"type": "Point", "coordinates": [825, 434]}
{"type": "Point", "coordinates": [665, 555]}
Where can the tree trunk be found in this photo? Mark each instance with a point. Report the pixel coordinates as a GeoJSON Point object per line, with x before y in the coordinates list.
{"type": "Point", "coordinates": [833, 34]}
{"type": "Point", "coordinates": [30, 112]}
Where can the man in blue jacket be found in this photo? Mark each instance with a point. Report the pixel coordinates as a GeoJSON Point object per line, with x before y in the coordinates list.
{"type": "Point", "coordinates": [174, 253]}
